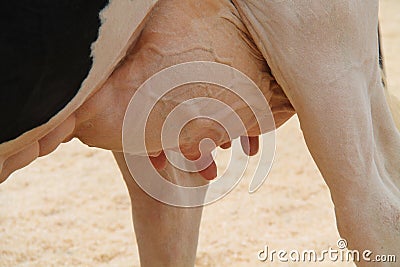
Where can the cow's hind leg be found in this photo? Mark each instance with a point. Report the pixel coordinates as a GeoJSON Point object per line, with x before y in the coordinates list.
{"type": "Point", "coordinates": [166, 235]}
{"type": "Point", "coordinates": [325, 56]}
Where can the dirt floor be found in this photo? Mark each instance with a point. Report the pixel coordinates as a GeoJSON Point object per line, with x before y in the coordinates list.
{"type": "Point", "coordinates": [72, 208]}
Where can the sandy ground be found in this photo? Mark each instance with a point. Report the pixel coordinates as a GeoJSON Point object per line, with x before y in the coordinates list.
{"type": "Point", "coordinates": [72, 208]}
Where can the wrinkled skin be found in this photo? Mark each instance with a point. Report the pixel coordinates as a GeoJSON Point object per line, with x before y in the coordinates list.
{"type": "Point", "coordinates": [201, 31]}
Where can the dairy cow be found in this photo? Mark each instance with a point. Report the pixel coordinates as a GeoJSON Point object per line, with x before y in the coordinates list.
{"type": "Point", "coordinates": [319, 59]}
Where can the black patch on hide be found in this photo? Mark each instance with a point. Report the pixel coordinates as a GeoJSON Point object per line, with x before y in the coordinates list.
{"type": "Point", "coordinates": [45, 48]}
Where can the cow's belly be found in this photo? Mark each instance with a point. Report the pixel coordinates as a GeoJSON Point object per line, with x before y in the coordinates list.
{"type": "Point", "coordinates": [178, 32]}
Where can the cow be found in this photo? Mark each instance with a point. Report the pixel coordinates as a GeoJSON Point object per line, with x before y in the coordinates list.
{"type": "Point", "coordinates": [317, 59]}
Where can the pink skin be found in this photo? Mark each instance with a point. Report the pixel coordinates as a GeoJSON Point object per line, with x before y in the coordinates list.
{"type": "Point", "coordinates": [42, 147]}
{"type": "Point", "coordinates": [215, 34]}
